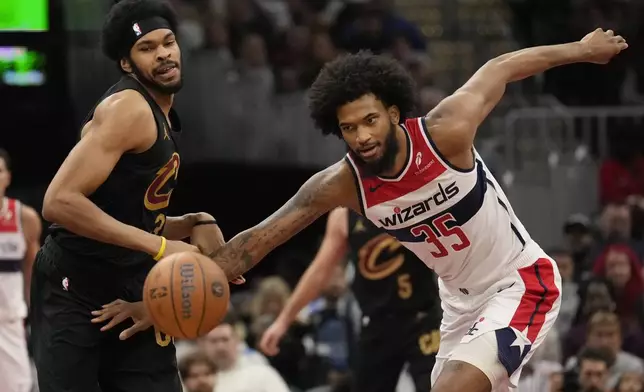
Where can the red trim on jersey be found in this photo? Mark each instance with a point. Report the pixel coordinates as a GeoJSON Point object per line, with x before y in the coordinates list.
{"type": "Point", "coordinates": [541, 292]}
{"type": "Point", "coordinates": [424, 168]}
{"type": "Point", "coordinates": [9, 217]}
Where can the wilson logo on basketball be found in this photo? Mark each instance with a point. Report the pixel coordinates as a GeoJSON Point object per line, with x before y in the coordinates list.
{"type": "Point", "coordinates": [217, 289]}
{"type": "Point", "coordinates": [187, 287]}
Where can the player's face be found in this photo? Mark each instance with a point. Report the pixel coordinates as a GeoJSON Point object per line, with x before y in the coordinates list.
{"type": "Point", "coordinates": [5, 177]}
{"type": "Point", "coordinates": [369, 129]}
{"type": "Point", "coordinates": [156, 61]}
{"type": "Point", "coordinates": [200, 378]}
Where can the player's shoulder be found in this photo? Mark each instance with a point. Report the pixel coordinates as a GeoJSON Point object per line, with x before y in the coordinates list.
{"type": "Point", "coordinates": [337, 184]}
{"type": "Point", "coordinates": [125, 106]}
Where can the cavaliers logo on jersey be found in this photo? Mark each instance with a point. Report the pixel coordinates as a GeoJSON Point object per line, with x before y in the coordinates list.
{"type": "Point", "coordinates": [157, 196]}
{"type": "Point", "coordinates": [370, 261]}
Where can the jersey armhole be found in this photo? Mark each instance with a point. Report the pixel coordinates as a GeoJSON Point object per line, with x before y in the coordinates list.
{"type": "Point", "coordinates": [439, 155]}
{"type": "Point", "coordinates": [358, 183]}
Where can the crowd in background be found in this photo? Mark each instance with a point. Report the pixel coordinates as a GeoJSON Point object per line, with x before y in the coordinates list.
{"type": "Point", "coordinates": [277, 47]}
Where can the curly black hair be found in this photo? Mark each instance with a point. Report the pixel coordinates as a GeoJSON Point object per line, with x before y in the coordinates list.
{"type": "Point", "coordinates": [123, 14]}
{"type": "Point", "coordinates": [349, 77]}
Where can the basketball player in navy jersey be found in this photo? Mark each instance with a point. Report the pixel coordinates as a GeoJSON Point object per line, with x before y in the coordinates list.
{"type": "Point", "coordinates": [109, 203]}
{"type": "Point", "coordinates": [422, 181]}
{"type": "Point", "coordinates": [20, 229]}
{"type": "Point", "coordinates": [397, 295]}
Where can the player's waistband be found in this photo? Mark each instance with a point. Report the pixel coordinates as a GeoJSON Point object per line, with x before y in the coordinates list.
{"type": "Point", "coordinates": [9, 266]}
{"type": "Point", "coordinates": [528, 256]}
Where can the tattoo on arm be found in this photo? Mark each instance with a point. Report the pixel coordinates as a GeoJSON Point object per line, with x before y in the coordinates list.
{"type": "Point", "coordinates": [247, 248]}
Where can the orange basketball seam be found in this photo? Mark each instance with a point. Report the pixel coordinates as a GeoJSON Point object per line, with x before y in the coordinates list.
{"type": "Point", "coordinates": [203, 287]}
{"type": "Point", "coordinates": [174, 310]}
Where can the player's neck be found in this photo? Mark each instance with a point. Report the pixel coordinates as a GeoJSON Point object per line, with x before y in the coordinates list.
{"type": "Point", "coordinates": [401, 156]}
{"type": "Point", "coordinates": [163, 100]}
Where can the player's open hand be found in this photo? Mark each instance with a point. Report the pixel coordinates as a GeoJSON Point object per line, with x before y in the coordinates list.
{"type": "Point", "coordinates": [269, 344]}
{"type": "Point", "coordinates": [603, 45]}
{"type": "Point", "coordinates": [118, 311]}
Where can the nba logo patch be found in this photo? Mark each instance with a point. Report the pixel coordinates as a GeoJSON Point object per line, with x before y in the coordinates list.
{"type": "Point", "coordinates": [137, 29]}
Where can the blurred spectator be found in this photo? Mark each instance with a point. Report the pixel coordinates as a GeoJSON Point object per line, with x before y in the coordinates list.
{"type": "Point", "coordinates": [246, 17]}
{"type": "Point", "coordinates": [593, 370]}
{"type": "Point", "coordinates": [376, 26]}
{"type": "Point", "coordinates": [604, 333]}
{"type": "Point", "coordinates": [621, 177]}
{"type": "Point", "coordinates": [621, 266]}
{"type": "Point", "coordinates": [270, 297]}
{"type": "Point", "coordinates": [595, 295]}
{"type": "Point", "coordinates": [544, 377]}
{"type": "Point", "coordinates": [216, 44]}
{"type": "Point", "coordinates": [233, 373]}
{"type": "Point", "coordinates": [569, 296]}
{"type": "Point", "coordinates": [197, 372]}
{"type": "Point", "coordinates": [579, 239]}
{"type": "Point", "coordinates": [335, 320]}
{"type": "Point", "coordinates": [630, 382]}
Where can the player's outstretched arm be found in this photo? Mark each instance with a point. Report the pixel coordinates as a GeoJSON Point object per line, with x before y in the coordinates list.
{"type": "Point", "coordinates": [122, 123]}
{"type": "Point", "coordinates": [453, 123]}
{"type": "Point", "coordinates": [330, 188]}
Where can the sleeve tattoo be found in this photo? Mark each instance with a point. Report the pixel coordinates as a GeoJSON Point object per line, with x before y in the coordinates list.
{"type": "Point", "coordinates": [247, 248]}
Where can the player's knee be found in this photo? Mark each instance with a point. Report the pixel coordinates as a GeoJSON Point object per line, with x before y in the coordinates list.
{"type": "Point", "coordinates": [458, 376]}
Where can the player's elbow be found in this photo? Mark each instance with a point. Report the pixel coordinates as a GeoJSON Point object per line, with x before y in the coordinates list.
{"type": "Point", "coordinates": [54, 205]}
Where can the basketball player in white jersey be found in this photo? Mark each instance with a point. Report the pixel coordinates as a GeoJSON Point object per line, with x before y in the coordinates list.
{"type": "Point", "coordinates": [422, 181]}
{"type": "Point", "coordinates": [20, 229]}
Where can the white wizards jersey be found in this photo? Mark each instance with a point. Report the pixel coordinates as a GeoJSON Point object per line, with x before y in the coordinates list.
{"type": "Point", "coordinates": [13, 248]}
{"type": "Point", "coordinates": [458, 222]}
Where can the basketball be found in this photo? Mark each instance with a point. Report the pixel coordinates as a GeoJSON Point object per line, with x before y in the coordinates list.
{"type": "Point", "coordinates": [186, 295]}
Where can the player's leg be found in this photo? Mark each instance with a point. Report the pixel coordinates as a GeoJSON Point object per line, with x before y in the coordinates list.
{"type": "Point", "coordinates": [144, 362]}
{"type": "Point", "coordinates": [379, 359]}
{"type": "Point", "coordinates": [423, 342]}
{"type": "Point", "coordinates": [15, 368]}
{"type": "Point", "coordinates": [518, 313]}
{"type": "Point", "coordinates": [65, 343]}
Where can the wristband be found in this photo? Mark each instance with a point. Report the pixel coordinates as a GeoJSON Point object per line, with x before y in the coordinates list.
{"type": "Point", "coordinates": [206, 222]}
{"type": "Point", "coordinates": [159, 255]}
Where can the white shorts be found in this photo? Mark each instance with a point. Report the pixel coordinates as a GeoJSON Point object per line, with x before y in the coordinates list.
{"type": "Point", "coordinates": [15, 368]}
{"type": "Point", "coordinates": [499, 329]}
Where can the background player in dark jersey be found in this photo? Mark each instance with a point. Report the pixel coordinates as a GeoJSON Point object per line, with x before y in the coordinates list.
{"type": "Point", "coordinates": [396, 292]}
{"type": "Point", "coordinates": [108, 202]}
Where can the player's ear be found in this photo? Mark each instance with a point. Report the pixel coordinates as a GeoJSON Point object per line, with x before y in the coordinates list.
{"type": "Point", "coordinates": [125, 65]}
{"type": "Point", "coordinates": [394, 114]}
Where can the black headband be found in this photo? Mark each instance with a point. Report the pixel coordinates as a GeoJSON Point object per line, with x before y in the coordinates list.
{"type": "Point", "coordinates": [141, 28]}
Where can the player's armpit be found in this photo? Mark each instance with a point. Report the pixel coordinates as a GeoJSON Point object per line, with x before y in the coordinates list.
{"type": "Point", "coordinates": [327, 189]}
{"type": "Point", "coordinates": [122, 123]}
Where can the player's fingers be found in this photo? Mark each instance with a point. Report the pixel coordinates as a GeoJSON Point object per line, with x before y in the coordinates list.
{"type": "Point", "coordinates": [137, 327]}
{"type": "Point", "coordinates": [103, 315]}
{"type": "Point", "coordinates": [610, 33]}
{"type": "Point", "coordinates": [116, 320]}
{"type": "Point", "coordinates": [113, 303]}
{"type": "Point", "coordinates": [238, 280]}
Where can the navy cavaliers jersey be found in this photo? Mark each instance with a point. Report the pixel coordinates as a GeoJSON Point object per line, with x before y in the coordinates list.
{"type": "Point", "coordinates": [458, 222]}
{"type": "Point", "coordinates": [138, 190]}
{"type": "Point", "coordinates": [389, 278]}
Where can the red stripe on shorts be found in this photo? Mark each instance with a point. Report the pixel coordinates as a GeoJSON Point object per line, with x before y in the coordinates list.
{"type": "Point", "coordinates": [540, 294]}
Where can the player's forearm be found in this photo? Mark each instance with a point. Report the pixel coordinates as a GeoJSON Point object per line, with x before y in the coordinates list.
{"type": "Point", "coordinates": [528, 62]}
{"type": "Point", "coordinates": [78, 214]}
